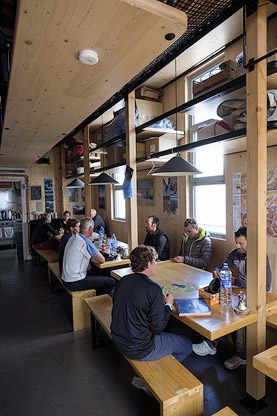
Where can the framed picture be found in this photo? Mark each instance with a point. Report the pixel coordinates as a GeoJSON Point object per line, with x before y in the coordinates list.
{"type": "Point", "coordinates": [35, 193]}
{"type": "Point", "coordinates": [78, 209]}
{"type": "Point", "coordinates": [145, 191]}
{"type": "Point", "coordinates": [101, 196]}
{"type": "Point", "coordinates": [74, 195]}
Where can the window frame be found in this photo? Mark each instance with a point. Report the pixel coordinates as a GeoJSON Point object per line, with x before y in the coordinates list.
{"type": "Point", "coordinates": [116, 188]}
{"type": "Point", "coordinates": [204, 180]}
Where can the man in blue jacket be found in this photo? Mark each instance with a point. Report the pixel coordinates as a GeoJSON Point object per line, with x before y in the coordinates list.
{"type": "Point", "coordinates": [140, 314]}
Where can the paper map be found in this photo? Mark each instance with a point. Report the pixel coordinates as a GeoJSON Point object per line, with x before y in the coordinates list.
{"type": "Point", "coordinates": [174, 288]}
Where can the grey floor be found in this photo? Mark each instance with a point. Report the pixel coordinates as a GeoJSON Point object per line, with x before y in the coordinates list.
{"type": "Point", "coordinates": [46, 369]}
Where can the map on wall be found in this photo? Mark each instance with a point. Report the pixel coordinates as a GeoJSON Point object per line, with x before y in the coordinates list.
{"type": "Point", "coordinates": [240, 201]}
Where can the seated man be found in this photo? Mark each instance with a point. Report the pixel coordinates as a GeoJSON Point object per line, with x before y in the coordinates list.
{"type": "Point", "coordinates": [140, 313]}
{"type": "Point", "coordinates": [237, 257]}
{"type": "Point", "coordinates": [72, 228]}
{"type": "Point", "coordinates": [157, 238]}
{"type": "Point", "coordinates": [42, 234]}
{"type": "Point", "coordinates": [196, 247]}
{"type": "Point", "coordinates": [78, 254]}
{"type": "Point", "coordinates": [98, 222]}
{"type": "Point", "coordinates": [63, 221]}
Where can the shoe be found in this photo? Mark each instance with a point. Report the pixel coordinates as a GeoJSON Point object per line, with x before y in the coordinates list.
{"type": "Point", "coordinates": [234, 362]}
{"type": "Point", "coordinates": [138, 383]}
{"type": "Point", "coordinates": [203, 349]}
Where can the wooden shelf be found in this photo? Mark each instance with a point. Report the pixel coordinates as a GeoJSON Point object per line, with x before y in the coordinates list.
{"type": "Point", "coordinates": [150, 132]}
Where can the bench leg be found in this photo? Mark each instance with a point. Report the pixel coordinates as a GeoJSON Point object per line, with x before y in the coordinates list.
{"type": "Point", "coordinates": [93, 331]}
{"type": "Point", "coordinates": [184, 404]}
{"type": "Point", "coordinates": [80, 312]}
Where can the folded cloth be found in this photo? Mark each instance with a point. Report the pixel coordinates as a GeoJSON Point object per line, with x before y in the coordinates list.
{"type": "Point", "coordinates": [8, 232]}
{"type": "Point", "coordinates": [233, 112]}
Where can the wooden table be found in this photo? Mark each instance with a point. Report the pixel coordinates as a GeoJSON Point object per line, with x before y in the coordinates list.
{"type": "Point", "coordinates": [223, 320]}
{"type": "Point", "coordinates": [266, 362]}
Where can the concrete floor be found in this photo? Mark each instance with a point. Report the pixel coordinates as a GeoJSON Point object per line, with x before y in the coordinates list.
{"type": "Point", "coordinates": [46, 369]}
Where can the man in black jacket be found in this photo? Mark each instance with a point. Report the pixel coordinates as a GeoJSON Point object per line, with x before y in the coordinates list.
{"type": "Point", "coordinates": [157, 238]}
{"type": "Point", "coordinates": [98, 222]}
{"type": "Point", "coordinates": [141, 312]}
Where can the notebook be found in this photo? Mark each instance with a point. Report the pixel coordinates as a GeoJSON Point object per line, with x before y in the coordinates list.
{"type": "Point", "coordinates": [192, 307]}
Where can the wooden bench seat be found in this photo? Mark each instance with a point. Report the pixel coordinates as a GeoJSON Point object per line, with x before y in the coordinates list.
{"type": "Point", "coordinates": [178, 391]}
{"type": "Point", "coordinates": [80, 312]}
{"type": "Point", "coordinates": [266, 362]}
{"type": "Point", "coordinates": [226, 411]}
{"type": "Point", "coordinates": [50, 256]}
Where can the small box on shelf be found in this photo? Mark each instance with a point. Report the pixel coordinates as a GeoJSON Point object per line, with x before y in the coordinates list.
{"type": "Point", "coordinates": [227, 74]}
{"type": "Point", "coordinates": [148, 93]}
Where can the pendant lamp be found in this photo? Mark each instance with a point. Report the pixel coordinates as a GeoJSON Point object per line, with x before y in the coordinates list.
{"type": "Point", "coordinates": [76, 183]}
{"type": "Point", "coordinates": [177, 166]}
{"type": "Point", "coordinates": [103, 179]}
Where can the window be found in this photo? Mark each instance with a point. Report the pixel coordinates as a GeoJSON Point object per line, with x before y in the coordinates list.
{"type": "Point", "coordinates": [208, 188]}
{"type": "Point", "coordinates": [119, 201]}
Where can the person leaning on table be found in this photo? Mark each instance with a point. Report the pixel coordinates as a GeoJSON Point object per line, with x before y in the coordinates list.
{"type": "Point", "coordinates": [140, 314]}
{"type": "Point", "coordinates": [236, 257]}
{"type": "Point", "coordinates": [196, 247]}
{"type": "Point", "coordinates": [41, 238]}
{"type": "Point", "coordinates": [79, 253]}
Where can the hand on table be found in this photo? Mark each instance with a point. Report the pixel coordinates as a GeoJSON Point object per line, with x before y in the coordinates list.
{"type": "Point", "coordinates": [168, 298]}
{"type": "Point", "coordinates": [178, 259]}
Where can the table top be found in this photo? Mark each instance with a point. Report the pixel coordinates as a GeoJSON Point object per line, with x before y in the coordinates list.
{"type": "Point", "coordinates": [223, 320]}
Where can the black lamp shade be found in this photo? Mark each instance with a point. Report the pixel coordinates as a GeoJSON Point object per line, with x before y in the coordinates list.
{"type": "Point", "coordinates": [103, 179]}
{"type": "Point", "coordinates": [177, 166]}
{"type": "Point", "coordinates": [76, 183]}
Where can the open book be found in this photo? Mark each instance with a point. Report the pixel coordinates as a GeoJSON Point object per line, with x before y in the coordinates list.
{"type": "Point", "coordinates": [192, 307]}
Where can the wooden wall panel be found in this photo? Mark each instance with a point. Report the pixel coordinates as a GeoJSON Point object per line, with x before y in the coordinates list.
{"type": "Point", "coordinates": [237, 163]}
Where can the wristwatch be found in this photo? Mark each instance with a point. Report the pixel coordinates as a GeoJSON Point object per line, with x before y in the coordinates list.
{"type": "Point", "coordinates": [170, 305]}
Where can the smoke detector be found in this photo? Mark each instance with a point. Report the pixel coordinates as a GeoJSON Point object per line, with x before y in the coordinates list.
{"type": "Point", "coordinates": [88, 57]}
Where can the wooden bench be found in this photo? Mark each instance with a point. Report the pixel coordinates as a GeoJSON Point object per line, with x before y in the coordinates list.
{"type": "Point", "coordinates": [178, 391]}
{"type": "Point", "coordinates": [226, 411]}
{"type": "Point", "coordinates": [266, 362]}
{"type": "Point", "coordinates": [80, 312]}
{"type": "Point", "coordinates": [50, 256]}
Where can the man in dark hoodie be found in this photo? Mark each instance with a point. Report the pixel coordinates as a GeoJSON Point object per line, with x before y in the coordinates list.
{"type": "Point", "coordinates": [196, 248]}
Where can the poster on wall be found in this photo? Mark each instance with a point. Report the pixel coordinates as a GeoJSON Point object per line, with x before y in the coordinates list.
{"type": "Point", "coordinates": [145, 191]}
{"type": "Point", "coordinates": [35, 193]}
{"type": "Point", "coordinates": [83, 194]}
{"type": "Point", "coordinates": [74, 195]}
{"type": "Point", "coordinates": [78, 209]}
{"type": "Point", "coordinates": [240, 201]}
{"type": "Point", "coordinates": [101, 196]}
{"type": "Point", "coordinates": [170, 195]}
{"type": "Point", "coordinates": [49, 196]}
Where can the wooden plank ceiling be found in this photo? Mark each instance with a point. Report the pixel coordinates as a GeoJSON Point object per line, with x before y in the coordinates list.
{"type": "Point", "coordinates": [50, 91]}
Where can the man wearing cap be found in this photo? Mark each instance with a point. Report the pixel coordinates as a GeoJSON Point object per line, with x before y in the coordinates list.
{"type": "Point", "coordinates": [196, 247]}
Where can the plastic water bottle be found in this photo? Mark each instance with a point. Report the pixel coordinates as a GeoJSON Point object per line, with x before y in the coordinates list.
{"type": "Point", "coordinates": [113, 245]}
{"type": "Point", "coordinates": [101, 236]}
{"type": "Point", "coordinates": [225, 286]}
